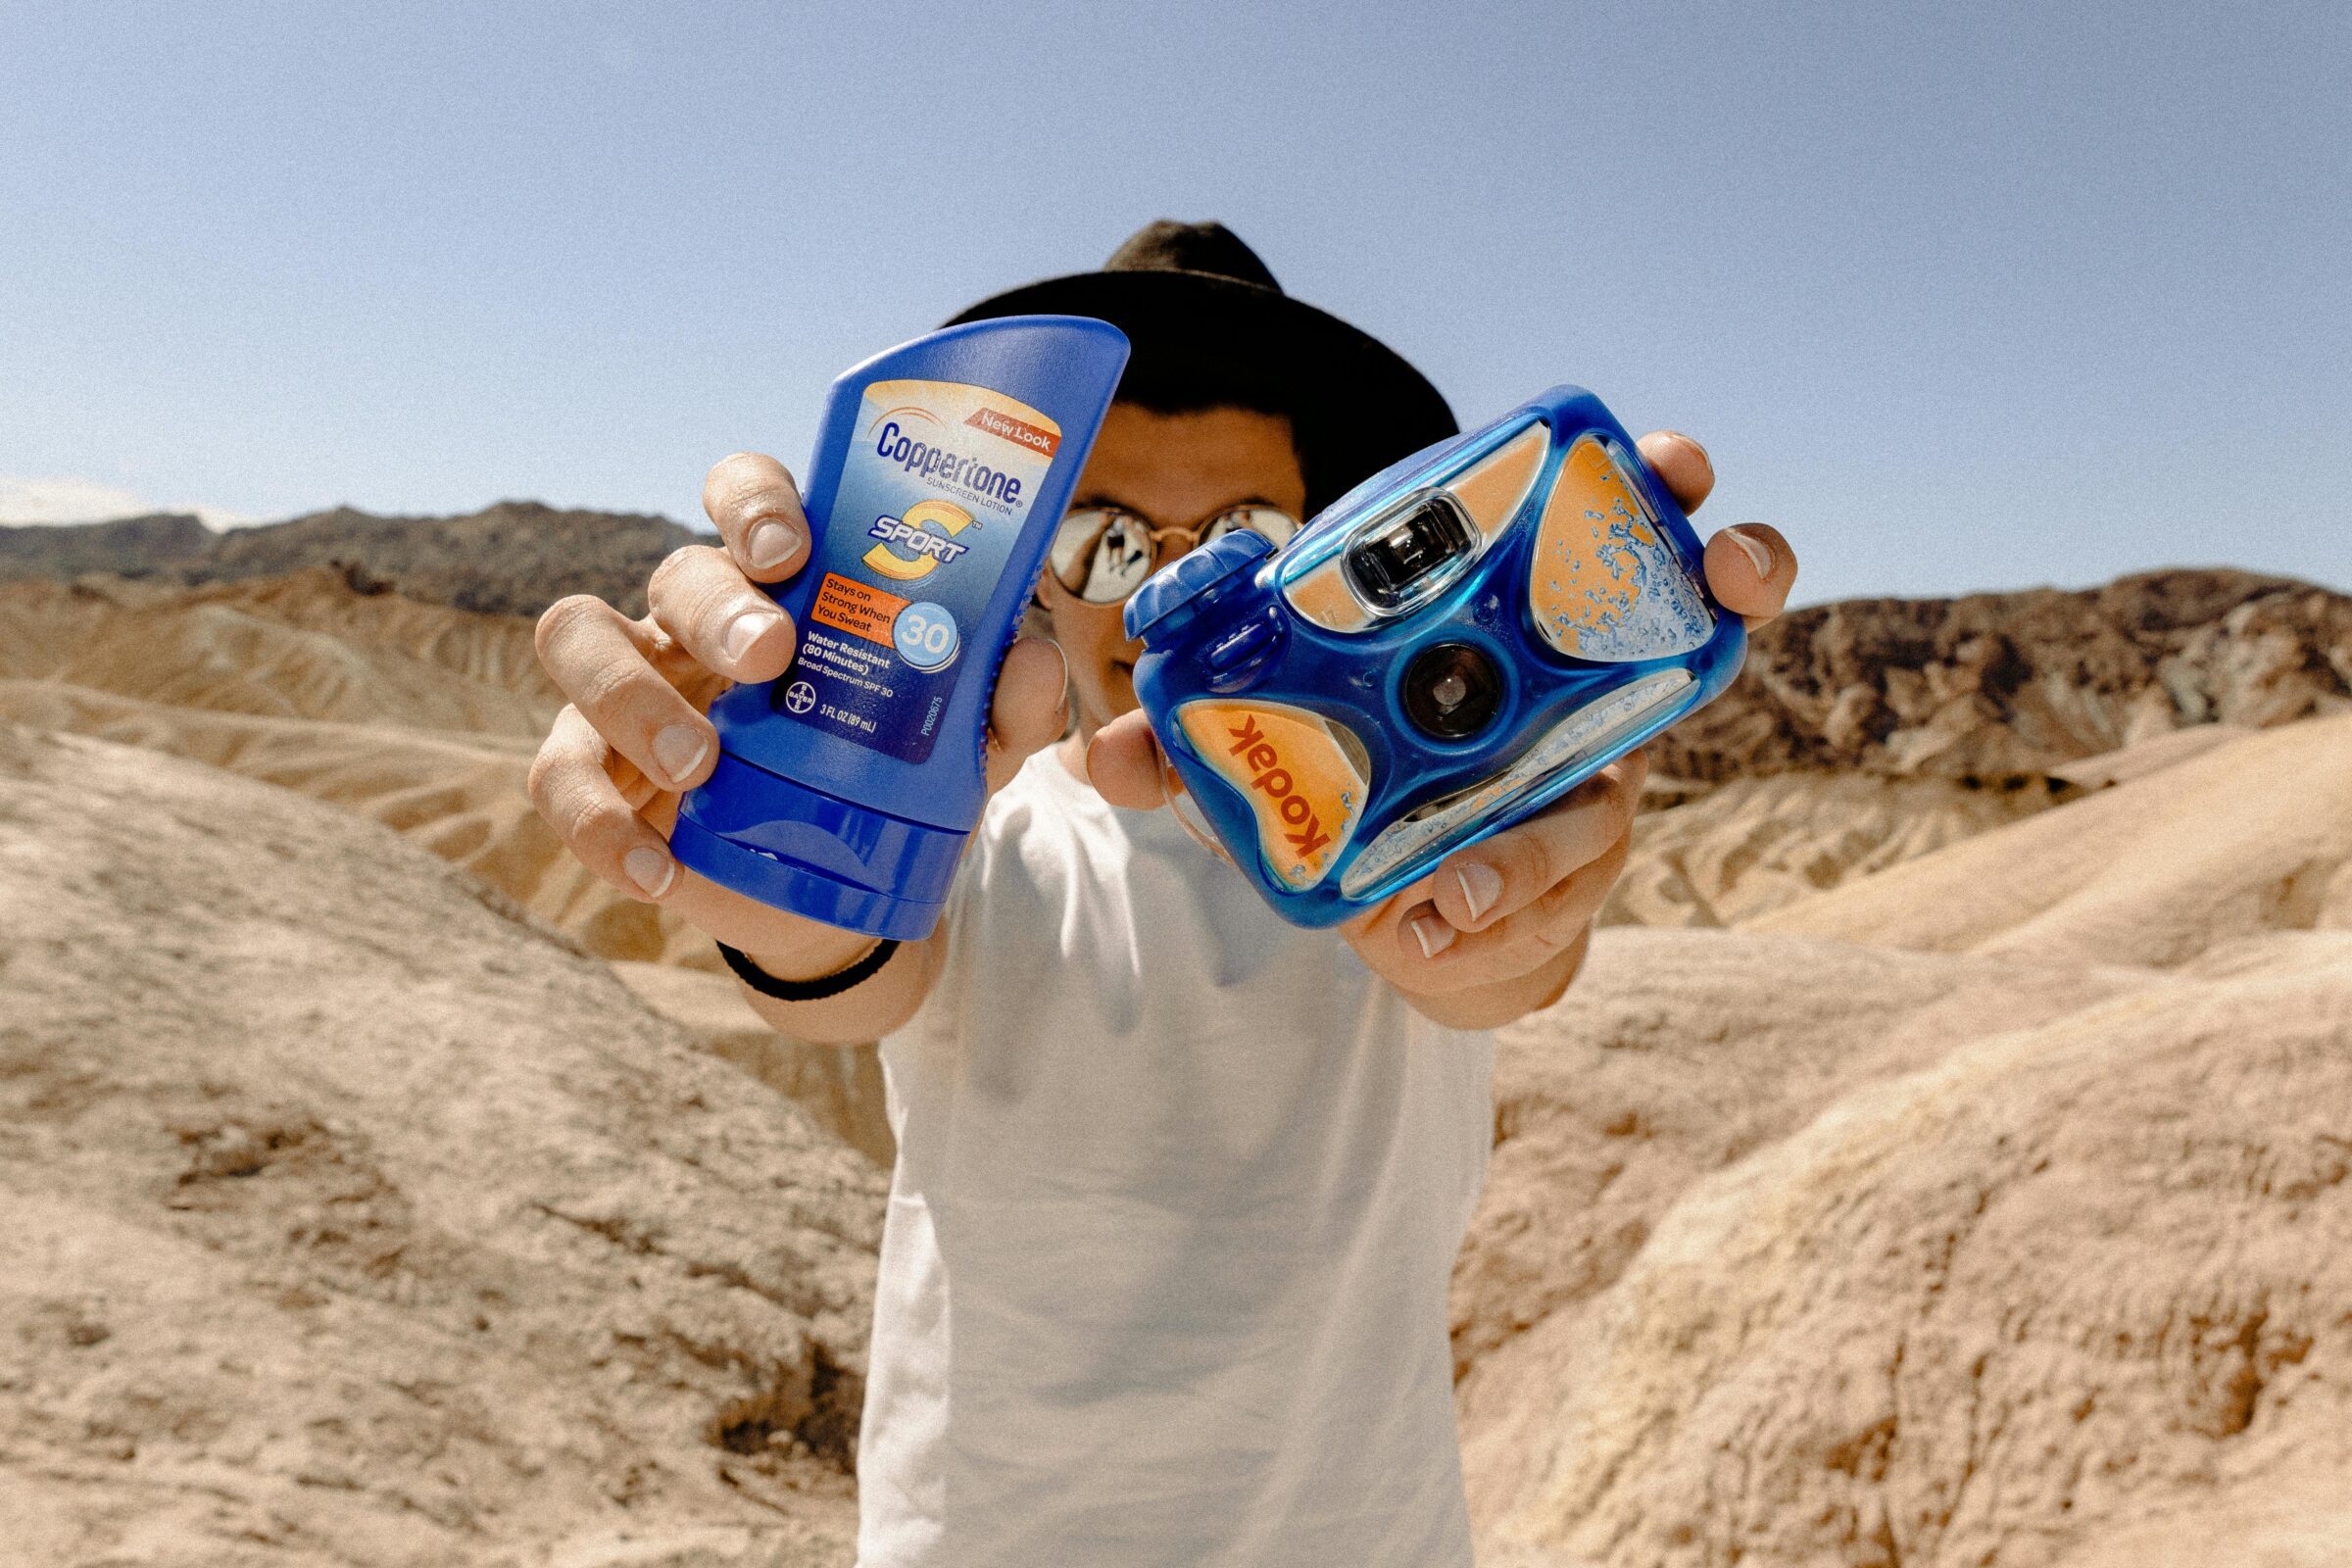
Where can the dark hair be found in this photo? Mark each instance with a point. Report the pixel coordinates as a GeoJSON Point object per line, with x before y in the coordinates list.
{"type": "Point", "coordinates": [1193, 374]}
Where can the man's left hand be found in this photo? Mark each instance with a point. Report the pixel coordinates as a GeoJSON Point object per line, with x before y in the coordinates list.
{"type": "Point", "coordinates": [1499, 929]}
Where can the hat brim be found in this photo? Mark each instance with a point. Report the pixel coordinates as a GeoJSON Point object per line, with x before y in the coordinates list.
{"type": "Point", "coordinates": [1356, 404]}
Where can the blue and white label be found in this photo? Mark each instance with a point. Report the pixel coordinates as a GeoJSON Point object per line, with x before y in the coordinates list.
{"type": "Point", "coordinates": [933, 496]}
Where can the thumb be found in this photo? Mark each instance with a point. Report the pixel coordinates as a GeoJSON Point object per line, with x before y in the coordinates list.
{"type": "Point", "coordinates": [1124, 763]}
{"type": "Point", "coordinates": [1030, 709]}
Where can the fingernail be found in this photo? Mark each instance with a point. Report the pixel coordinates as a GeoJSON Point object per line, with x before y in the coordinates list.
{"type": "Point", "coordinates": [679, 749]}
{"type": "Point", "coordinates": [1480, 884]}
{"type": "Point", "coordinates": [745, 629]}
{"type": "Point", "coordinates": [770, 545]}
{"type": "Point", "coordinates": [1758, 550]}
{"type": "Point", "coordinates": [651, 871]}
{"type": "Point", "coordinates": [1432, 932]}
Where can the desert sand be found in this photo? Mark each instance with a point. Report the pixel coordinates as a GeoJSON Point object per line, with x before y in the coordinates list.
{"type": "Point", "coordinates": [2253, 835]}
{"type": "Point", "coordinates": [354, 1217]}
{"type": "Point", "coordinates": [1943, 1161]}
{"type": "Point", "coordinates": [1980, 1210]}
{"type": "Point", "coordinates": [422, 717]}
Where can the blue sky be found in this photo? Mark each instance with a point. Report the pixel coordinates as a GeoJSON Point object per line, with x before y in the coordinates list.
{"type": "Point", "coordinates": [1960, 297]}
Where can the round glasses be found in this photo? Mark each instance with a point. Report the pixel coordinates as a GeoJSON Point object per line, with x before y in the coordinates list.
{"type": "Point", "coordinates": [1102, 554]}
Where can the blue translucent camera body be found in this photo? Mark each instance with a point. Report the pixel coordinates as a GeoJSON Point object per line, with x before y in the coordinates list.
{"type": "Point", "coordinates": [1447, 649]}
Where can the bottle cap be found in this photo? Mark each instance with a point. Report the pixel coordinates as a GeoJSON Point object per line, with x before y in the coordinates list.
{"type": "Point", "coordinates": [801, 850]}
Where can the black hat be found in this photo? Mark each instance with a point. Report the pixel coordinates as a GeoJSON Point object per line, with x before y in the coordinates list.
{"type": "Point", "coordinates": [1211, 327]}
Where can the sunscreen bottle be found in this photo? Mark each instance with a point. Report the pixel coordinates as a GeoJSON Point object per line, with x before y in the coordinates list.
{"type": "Point", "coordinates": [846, 787]}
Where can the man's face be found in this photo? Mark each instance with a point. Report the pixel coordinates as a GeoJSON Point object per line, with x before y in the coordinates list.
{"type": "Point", "coordinates": [1175, 470]}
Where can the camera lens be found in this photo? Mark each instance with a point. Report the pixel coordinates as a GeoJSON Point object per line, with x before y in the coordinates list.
{"type": "Point", "coordinates": [1451, 691]}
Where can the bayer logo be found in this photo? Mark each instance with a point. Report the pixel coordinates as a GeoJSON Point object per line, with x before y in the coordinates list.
{"type": "Point", "coordinates": [800, 697]}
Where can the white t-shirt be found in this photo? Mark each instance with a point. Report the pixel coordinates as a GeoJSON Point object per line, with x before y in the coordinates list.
{"type": "Point", "coordinates": [1179, 1190]}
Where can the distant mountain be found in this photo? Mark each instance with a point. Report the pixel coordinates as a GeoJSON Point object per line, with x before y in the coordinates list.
{"type": "Point", "coordinates": [131, 547]}
{"type": "Point", "coordinates": [516, 558]}
{"type": "Point", "coordinates": [1993, 686]}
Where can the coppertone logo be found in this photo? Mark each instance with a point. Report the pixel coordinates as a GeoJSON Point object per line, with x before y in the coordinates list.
{"type": "Point", "coordinates": [941, 466]}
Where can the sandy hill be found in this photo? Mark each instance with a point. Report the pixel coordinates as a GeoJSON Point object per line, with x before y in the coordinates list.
{"type": "Point", "coordinates": [1801, 1246]}
{"type": "Point", "coordinates": [417, 717]}
{"type": "Point", "coordinates": [1710, 856]}
{"type": "Point", "coordinates": [309, 646]}
{"type": "Point", "coordinates": [364, 1220]}
{"type": "Point", "coordinates": [2070, 1272]}
{"type": "Point", "coordinates": [354, 1219]}
{"type": "Point", "coordinates": [515, 558]}
{"type": "Point", "coordinates": [2252, 835]}
{"type": "Point", "coordinates": [1966, 1184]}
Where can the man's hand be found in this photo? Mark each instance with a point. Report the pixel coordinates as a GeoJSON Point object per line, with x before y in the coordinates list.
{"type": "Point", "coordinates": [636, 737]}
{"type": "Point", "coordinates": [1499, 929]}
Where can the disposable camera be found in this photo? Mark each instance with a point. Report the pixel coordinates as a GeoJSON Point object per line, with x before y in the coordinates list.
{"type": "Point", "coordinates": [1447, 649]}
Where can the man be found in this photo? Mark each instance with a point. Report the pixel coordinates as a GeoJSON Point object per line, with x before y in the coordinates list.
{"type": "Point", "coordinates": [1179, 1185]}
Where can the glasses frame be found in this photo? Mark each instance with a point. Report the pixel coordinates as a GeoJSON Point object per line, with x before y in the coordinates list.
{"type": "Point", "coordinates": [1193, 537]}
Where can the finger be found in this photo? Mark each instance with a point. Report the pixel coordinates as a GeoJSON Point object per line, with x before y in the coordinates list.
{"type": "Point", "coordinates": [1030, 709]}
{"type": "Point", "coordinates": [1124, 763]}
{"type": "Point", "coordinates": [569, 785]}
{"type": "Point", "coordinates": [1681, 464]}
{"type": "Point", "coordinates": [1494, 879]}
{"type": "Point", "coordinates": [726, 621]}
{"type": "Point", "coordinates": [756, 508]}
{"type": "Point", "coordinates": [603, 662]}
{"type": "Point", "coordinates": [1513, 947]}
{"type": "Point", "coordinates": [1750, 570]}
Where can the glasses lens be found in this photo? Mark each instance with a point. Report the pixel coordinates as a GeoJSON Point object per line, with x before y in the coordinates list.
{"type": "Point", "coordinates": [1277, 527]}
{"type": "Point", "coordinates": [1109, 554]}
{"type": "Point", "coordinates": [1103, 555]}
{"type": "Point", "coordinates": [1074, 546]}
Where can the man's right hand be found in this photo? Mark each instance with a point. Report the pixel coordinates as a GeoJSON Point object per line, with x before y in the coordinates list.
{"type": "Point", "coordinates": [635, 735]}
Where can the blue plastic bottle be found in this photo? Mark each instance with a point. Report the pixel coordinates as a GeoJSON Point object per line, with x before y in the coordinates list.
{"type": "Point", "coordinates": [845, 788]}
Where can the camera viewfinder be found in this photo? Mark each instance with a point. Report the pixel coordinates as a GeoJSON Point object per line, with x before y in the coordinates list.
{"type": "Point", "coordinates": [1393, 566]}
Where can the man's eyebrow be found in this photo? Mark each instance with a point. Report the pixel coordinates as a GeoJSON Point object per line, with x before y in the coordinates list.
{"type": "Point", "coordinates": [1096, 498]}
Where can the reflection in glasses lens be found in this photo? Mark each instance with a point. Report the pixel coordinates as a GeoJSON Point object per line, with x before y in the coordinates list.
{"type": "Point", "coordinates": [1102, 554]}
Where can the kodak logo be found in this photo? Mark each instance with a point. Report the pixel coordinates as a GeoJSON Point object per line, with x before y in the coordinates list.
{"type": "Point", "coordinates": [1290, 766]}
{"type": "Point", "coordinates": [1250, 745]}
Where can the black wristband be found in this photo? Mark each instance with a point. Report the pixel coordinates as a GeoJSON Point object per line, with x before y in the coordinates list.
{"type": "Point", "coordinates": [816, 990]}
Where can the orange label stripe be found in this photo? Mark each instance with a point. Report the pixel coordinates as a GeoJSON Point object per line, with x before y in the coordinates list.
{"type": "Point", "coordinates": [1306, 795]}
{"type": "Point", "coordinates": [859, 608]}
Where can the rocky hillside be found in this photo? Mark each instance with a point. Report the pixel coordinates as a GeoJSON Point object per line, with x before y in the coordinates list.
{"type": "Point", "coordinates": [306, 646]}
{"type": "Point", "coordinates": [1991, 1209]}
{"type": "Point", "coordinates": [1994, 685]}
{"type": "Point", "coordinates": [355, 1220]}
{"type": "Point", "coordinates": [1976, 1194]}
{"type": "Point", "coordinates": [516, 558]}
